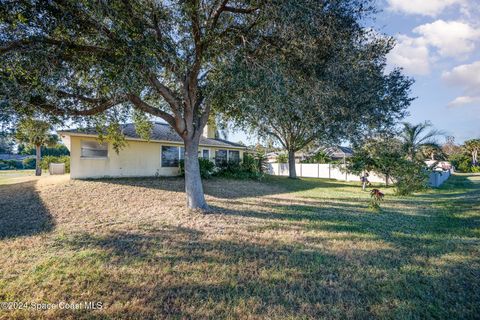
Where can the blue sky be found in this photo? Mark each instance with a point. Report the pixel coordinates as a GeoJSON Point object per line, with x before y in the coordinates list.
{"type": "Point", "coordinates": [438, 44]}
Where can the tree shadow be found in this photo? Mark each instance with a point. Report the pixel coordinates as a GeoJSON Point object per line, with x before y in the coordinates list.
{"type": "Point", "coordinates": [230, 188]}
{"type": "Point", "coordinates": [22, 212]}
{"type": "Point", "coordinates": [245, 279]}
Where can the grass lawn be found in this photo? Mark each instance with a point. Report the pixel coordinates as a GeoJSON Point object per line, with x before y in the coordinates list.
{"type": "Point", "coordinates": [277, 249]}
{"type": "Point", "coordinates": [14, 176]}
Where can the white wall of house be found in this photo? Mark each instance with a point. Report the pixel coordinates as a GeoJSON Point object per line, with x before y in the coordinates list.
{"type": "Point", "coordinates": [136, 159]}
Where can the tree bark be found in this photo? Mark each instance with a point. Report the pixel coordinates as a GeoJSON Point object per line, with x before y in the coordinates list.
{"type": "Point", "coordinates": [292, 173]}
{"type": "Point", "coordinates": [38, 157]}
{"type": "Point", "coordinates": [387, 177]}
{"type": "Point", "coordinates": [193, 181]}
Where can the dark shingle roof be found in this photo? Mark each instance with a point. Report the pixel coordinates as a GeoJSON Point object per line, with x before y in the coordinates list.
{"type": "Point", "coordinates": [160, 131]}
{"type": "Point", "coordinates": [339, 151]}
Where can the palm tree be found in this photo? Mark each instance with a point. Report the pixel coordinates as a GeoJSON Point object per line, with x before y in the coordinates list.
{"type": "Point", "coordinates": [35, 133]}
{"type": "Point", "coordinates": [416, 136]}
{"type": "Point", "coordinates": [473, 147]}
{"type": "Point", "coordinates": [432, 151]}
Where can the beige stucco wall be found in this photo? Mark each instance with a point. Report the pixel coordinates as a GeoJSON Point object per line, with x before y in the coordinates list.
{"type": "Point", "coordinates": [137, 159]}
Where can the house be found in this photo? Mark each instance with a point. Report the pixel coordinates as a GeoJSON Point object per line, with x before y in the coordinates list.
{"type": "Point", "coordinates": [159, 156]}
{"type": "Point", "coordinates": [272, 157]}
{"type": "Point", "coordinates": [338, 152]}
{"type": "Point", "coordinates": [335, 153]}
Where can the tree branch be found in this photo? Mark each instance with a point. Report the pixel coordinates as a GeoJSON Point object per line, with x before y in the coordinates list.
{"type": "Point", "coordinates": [239, 10]}
{"type": "Point", "coordinates": [145, 107]}
{"type": "Point", "coordinates": [19, 44]}
{"type": "Point", "coordinates": [107, 104]}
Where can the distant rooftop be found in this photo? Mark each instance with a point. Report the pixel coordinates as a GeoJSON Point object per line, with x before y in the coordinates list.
{"type": "Point", "coordinates": [160, 132]}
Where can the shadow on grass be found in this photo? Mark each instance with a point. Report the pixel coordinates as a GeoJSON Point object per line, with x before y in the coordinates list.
{"type": "Point", "coordinates": [22, 212]}
{"type": "Point", "coordinates": [229, 188]}
{"type": "Point", "coordinates": [203, 278]}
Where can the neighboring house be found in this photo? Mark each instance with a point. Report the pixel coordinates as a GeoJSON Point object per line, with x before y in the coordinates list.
{"type": "Point", "coordinates": [272, 157]}
{"type": "Point", "coordinates": [439, 165]}
{"type": "Point", "coordinates": [336, 153]}
{"type": "Point", "coordinates": [160, 156]}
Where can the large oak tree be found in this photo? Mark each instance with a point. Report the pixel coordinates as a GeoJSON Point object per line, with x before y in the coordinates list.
{"type": "Point", "coordinates": [74, 59]}
{"type": "Point", "coordinates": [330, 87]}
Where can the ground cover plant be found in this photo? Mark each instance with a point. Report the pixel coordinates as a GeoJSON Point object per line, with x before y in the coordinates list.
{"type": "Point", "coordinates": [276, 248]}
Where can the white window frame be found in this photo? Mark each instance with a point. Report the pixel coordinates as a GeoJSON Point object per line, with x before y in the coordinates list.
{"type": "Point", "coordinates": [105, 144]}
{"type": "Point", "coordinates": [228, 155]}
{"type": "Point", "coordinates": [181, 155]}
{"type": "Point", "coordinates": [203, 151]}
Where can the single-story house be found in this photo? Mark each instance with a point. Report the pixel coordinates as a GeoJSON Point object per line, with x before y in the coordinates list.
{"type": "Point", "coordinates": [272, 157]}
{"type": "Point", "coordinates": [338, 152]}
{"type": "Point", "coordinates": [335, 152]}
{"type": "Point", "coordinates": [159, 156]}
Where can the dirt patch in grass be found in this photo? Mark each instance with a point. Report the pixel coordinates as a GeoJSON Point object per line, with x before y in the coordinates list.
{"type": "Point", "coordinates": [276, 249]}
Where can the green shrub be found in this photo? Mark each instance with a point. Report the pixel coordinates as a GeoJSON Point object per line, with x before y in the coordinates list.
{"type": "Point", "coordinates": [475, 169]}
{"type": "Point", "coordinates": [255, 163]}
{"type": "Point", "coordinates": [461, 162]}
{"type": "Point", "coordinates": [410, 177]}
{"type": "Point", "coordinates": [282, 158]}
{"type": "Point", "coordinates": [250, 168]}
{"type": "Point", "coordinates": [10, 165]}
{"type": "Point", "coordinates": [45, 163]}
{"type": "Point", "coordinates": [207, 168]}
{"type": "Point", "coordinates": [29, 163]}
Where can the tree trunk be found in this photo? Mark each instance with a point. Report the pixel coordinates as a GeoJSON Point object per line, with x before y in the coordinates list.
{"type": "Point", "coordinates": [292, 173]}
{"type": "Point", "coordinates": [38, 157]}
{"type": "Point", "coordinates": [387, 177]}
{"type": "Point", "coordinates": [193, 181]}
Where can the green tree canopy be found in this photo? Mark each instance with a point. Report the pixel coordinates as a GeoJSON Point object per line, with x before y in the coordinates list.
{"type": "Point", "coordinates": [473, 148]}
{"type": "Point", "coordinates": [35, 133]}
{"type": "Point", "coordinates": [73, 59]}
{"type": "Point", "coordinates": [334, 88]}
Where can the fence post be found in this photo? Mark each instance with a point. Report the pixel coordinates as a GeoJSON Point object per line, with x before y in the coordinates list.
{"type": "Point", "coordinates": [301, 175]}
{"type": "Point", "coordinates": [318, 170]}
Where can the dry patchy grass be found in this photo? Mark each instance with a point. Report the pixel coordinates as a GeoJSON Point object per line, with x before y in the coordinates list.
{"type": "Point", "coordinates": [277, 249]}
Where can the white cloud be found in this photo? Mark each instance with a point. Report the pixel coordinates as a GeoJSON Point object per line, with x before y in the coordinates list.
{"type": "Point", "coordinates": [439, 39]}
{"type": "Point", "coordinates": [422, 7]}
{"type": "Point", "coordinates": [451, 38]}
{"type": "Point", "coordinates": [463, 100]}
{"type": "Point", "coordinates": [466, 76]}
{"type": "Point", "coordinates": [410, 54]}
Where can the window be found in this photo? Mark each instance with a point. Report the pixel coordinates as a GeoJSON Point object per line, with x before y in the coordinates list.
{"type": "Point", "coordinates": [93, 149]}
{"type": "Point", "coordinates": [206, 154]}
{"type": "Point", "coordinates": [171, 156]}
{"type": "Point", "coordinates": [182, 153]}
{"type": "Point", "coordinates": [220, 157]}
{"type": "Point", "coordinates": [234, 156]}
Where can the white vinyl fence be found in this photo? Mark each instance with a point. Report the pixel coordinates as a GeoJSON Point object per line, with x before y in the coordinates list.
{"type": "Point", "coordinates": [336, 171]}
{"type": "Point", "coordinates": [438, 177]}
{"type": "Point", "coordinates": [320, 170]}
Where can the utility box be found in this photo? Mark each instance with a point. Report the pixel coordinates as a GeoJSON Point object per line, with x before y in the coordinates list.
{"type": "Point", "coordinates": [56, 168]}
